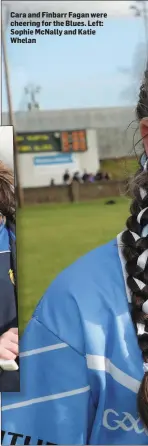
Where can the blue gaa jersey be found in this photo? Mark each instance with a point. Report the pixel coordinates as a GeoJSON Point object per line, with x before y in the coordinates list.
{"type": "Point", "coordinates": [80, 362]}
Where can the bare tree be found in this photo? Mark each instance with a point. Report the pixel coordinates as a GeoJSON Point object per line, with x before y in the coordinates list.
{"type": "Point", "coordinates": [140, 59]}
{"type": "Point", "coordinates": [140, 10]}
{"type": "Point", "coordinates": [134, 74]}
{"type": "Point", "coordinates": [31, 91]}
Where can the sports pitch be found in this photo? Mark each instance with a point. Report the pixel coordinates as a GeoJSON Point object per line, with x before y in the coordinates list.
{"type": "Point", "coordinates": [50, 237]}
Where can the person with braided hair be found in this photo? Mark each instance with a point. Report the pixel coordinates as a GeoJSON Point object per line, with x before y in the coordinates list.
{"type": "Point", "coordinates": [84, 354]}
{"type": "Point", "coordinates": [135, 251]}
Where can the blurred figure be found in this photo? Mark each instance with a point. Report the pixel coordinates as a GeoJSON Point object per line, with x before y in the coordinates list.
{"type": "Point", "coordinates": [66, 177]}
{"type": "Point", "coordinates": [76, 177]}
{"type": "Point", "coordinates": [99, 176]}
{"type": "Point", "coordinates": [106, 176]}
{"type": "Point", "coordinates": [85, 176]}
{"type": "Point", "coordinates": [91, 178]}
{"type": "Point", "coordinates": [52, 183]}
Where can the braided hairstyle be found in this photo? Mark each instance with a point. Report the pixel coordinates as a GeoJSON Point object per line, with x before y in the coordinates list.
{"type": "Point", "coordinates": [135, 251]}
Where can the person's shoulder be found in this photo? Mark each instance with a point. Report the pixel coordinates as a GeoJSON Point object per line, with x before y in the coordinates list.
{"type": "Point", "coordinates": [91, 267]}
{"type": "Point", "coordinates": [82, 289]}
{"type": "Point", "coordinates": [101, 262]}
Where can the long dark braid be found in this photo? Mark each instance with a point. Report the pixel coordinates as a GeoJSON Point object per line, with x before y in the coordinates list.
{"type": "Point", "coordinates": [135, 251]}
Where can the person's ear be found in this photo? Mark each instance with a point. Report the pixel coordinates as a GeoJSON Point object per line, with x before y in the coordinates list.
{"type": "Point", "coordinates": [144, 133]}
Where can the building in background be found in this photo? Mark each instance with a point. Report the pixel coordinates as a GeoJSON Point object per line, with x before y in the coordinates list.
{"type": "Point", "coordinates": [51, 142]}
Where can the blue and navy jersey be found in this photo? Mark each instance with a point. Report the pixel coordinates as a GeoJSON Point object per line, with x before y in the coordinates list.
{"type": "Point", "coordinates": [80, 362]}
{"type": "Point", "coordinates": [9, 381]}
{"type": "Point", "coordinates": [8, 304]}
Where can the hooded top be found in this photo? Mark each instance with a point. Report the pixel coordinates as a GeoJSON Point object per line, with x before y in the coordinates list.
{"type": "Point", "coordinates": [9, 381]}
{"type": "Point", "coordinates": [81, 365]}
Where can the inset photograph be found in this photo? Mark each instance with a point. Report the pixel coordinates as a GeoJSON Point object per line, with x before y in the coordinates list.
{"type": "Point", "coordinates": [9, 340]}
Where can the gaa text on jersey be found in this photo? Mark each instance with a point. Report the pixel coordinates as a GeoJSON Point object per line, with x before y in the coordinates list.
{"type": "Point", "coordinates": [113, 421]}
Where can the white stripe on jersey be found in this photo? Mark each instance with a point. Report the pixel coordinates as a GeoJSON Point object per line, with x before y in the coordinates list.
{"type": "Point", "coordinates": [46, 398]}
{"type": "Point", "coordinates": [100, 363]}
{"type": "Point", "coordinates": [43, 349]}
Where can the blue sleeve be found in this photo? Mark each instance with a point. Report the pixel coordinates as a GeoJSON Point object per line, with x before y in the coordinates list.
{"type": "Point", "coordinates": [54, 405]}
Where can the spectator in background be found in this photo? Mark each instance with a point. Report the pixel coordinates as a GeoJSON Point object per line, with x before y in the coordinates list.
{"type": "Point", "coordinates": [76, 177]}
{"type": "Point", "coordinates": [102, 176]}
{"type": "Point", "coordinates": [66, 177]}
{"type": "Point", "coordinates": [106, 176]}
{"type": "Point", "coordinates": [99, 176]}
{"type": "Point", "coordinates": [85, 176]}
{"type": "Point", "coordinates": [91, 178]}
{"type": "Point", "coordinates": [52, 183]}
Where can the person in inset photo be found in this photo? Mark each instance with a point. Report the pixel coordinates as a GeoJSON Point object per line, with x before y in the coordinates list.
{"type": "Point", "coordinates": [84, 353]}
{"type": "Point", "coordinates": [9, 342]}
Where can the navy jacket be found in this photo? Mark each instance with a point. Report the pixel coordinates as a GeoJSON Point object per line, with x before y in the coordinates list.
{"type": "Point", "coordinates": [9, 381]}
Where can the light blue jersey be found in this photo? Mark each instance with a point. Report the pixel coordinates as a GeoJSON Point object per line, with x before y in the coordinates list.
{"type": "Point", "coordinates": [80, 363]}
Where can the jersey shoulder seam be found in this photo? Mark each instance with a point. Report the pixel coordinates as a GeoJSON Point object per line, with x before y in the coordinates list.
{"type": "Point", "coordinates": [61, 340]}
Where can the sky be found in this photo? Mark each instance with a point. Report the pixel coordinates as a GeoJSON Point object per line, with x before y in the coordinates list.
{"type": "Point", "coordinates": [77, 71]}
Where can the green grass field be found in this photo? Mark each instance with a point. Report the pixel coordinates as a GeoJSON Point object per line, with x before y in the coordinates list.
{"type": "Point", "coordinates": [50, 237]}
